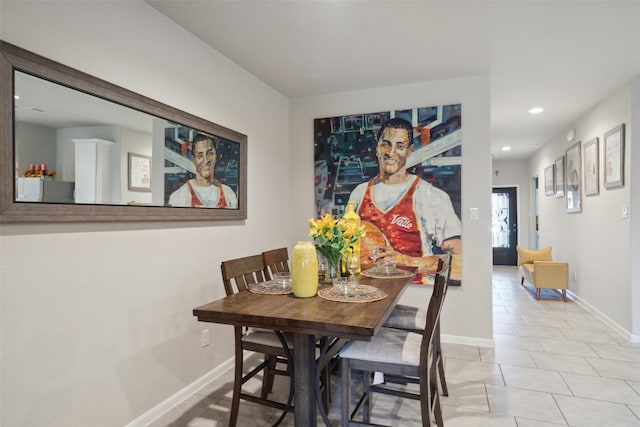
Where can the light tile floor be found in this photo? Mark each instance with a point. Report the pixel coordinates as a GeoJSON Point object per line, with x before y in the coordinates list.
{"type": "Point", "coordinates": [554, 364]}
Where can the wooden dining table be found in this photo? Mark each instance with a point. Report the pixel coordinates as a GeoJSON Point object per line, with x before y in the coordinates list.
{"type": "Point", "coordinates": [306, 318]}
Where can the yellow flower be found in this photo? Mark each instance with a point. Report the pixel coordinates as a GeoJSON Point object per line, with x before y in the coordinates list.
{"type": "Point", "coordinates": [326, 222]}
{"type": "Point", "coordinates": [313, 227]}
{"type": "Point", "coordinates": [334, 236]}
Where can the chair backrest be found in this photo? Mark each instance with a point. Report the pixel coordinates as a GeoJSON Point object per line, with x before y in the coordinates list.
{"type": "Point", "coordinates": [440, 286]}
{"type": "Point", "coordinates": [242, 272]}
{"type": "Point", "coordinates": [445, 270]}
{"type": "Point", "coordinates": [275, 261]}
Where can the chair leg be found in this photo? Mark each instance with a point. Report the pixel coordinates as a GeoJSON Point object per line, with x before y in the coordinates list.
{"type": "Point", "coordinates": [325, 384]}
{"type": "Point", "coordinates": [325, 378]}
{"type": "Point", "coordinates": [426, 396]}
{"type": "Point", "coordinates": [537, 293]}
{"type": "Point", "coordinates": [237, 387]}
{"type": "Point", "coordinates": [437, 348]}
{"type": "Point", "coordinates": [564, 295]}
{"type": "Point", "coordinates": [437, 411]}
{"type": "Point", "coordinates": [268, 376]}
{"type": "Point", "coordinates": [366, 404]}
{"type": "Point", "coordinates": [522, 282]}
{"type": "Point", "coordinates": [345, 392]}
{"type": "Point", "coordinates": [443, 381]}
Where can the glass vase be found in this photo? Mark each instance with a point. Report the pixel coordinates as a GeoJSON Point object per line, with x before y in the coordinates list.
{"type": "Point", "coordinates": [331, 272]}
{"type": "Point", "coordinates": [333, 269]}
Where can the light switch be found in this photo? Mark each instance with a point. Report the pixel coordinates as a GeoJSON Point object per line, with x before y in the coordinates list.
{"type": "Point", "coordinates": [473, 213]}
{"type": "Point", "coordinates": [625, 212]}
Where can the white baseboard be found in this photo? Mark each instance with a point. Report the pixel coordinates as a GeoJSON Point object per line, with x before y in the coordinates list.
{"type": "Point", "coordinates": [480, 342]}
{"type": "Point", "coordinates": [173, 401]}
{"type": "Point", "coordinates": [605, 319]}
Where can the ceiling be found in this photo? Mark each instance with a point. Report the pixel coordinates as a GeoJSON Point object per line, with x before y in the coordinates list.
{"type": "Point", "coordinates": [565, 56]}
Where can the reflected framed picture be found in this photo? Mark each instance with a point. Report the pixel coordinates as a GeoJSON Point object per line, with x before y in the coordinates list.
{"type": "Point", "coordinates": [573, 189]}
{"type": "Point", "coordinates": [549, 181]}
{"type": "Point", "coordinates": [139, 173]}
{"type": "Point", "coordinates": [614, 157]}
{"type": "Point", "coordinates": [590, 162]}
{"type": "Point", "coordinates": [559, 175]}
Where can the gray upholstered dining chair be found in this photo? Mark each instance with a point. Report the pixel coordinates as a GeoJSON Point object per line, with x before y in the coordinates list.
{"type": "Point", "coordinates": [404, 356]}
{"type": "Point", "coordinates": [409, 318]}
{"type": "Point", "coordinates": [237, 275]}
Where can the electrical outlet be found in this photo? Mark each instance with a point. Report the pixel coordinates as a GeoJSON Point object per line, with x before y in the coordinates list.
{"type": "Point", "coordinates": [204, 338]}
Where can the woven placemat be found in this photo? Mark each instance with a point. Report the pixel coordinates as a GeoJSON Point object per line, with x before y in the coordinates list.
{"type": "Point", "coordinates": [362, 293]}
{"type": "Point", "coordinates": [269, 288]}
{"type": "Point", "coordinates": [396, 274]}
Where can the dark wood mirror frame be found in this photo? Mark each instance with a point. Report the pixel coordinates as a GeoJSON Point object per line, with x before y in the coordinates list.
{"type": "Point", "coordinates": [14, 58]}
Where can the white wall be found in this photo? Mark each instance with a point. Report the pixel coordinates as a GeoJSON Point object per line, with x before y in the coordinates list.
{"type": "Point", "coordinates": [514, 173]}
{"type": "Point", "coordinates": [467, 315]}
{"type": "Point", "coordinates": [634, 174]}
{"type": "Point", "coordinates": [37, 146]}
{"type": "Point", "coordinates": [96, 325]}
{"type": "Point", "coordinates": [596, 242]}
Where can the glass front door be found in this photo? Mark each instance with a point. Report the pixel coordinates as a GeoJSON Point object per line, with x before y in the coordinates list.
{"type": "Point", "coordinates": [504, 226]}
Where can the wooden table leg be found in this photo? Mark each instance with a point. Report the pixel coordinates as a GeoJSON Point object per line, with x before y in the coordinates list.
{"type": "Point", "coordinates": [304, 368]}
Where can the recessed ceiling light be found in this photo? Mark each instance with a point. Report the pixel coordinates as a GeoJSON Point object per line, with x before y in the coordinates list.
{"type": "Point", "coordinates": [506, 148]}
{"type": "Point", "coordinates": [536, 110]}
{"type": "Point", "coordinates": [16, 96]}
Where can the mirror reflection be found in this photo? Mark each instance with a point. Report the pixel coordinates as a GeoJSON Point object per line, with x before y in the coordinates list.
{"type": "Point", "coordinates": [75, 148]}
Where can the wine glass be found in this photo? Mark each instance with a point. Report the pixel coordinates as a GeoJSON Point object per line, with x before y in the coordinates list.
{"type": "Point", "coordinates": [374, 254]}
{"type": "Point", "coordinates": [352, 264]}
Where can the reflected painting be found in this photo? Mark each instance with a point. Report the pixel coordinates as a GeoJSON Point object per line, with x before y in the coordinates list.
{"type": "Point", "coordinates": [201, 170]}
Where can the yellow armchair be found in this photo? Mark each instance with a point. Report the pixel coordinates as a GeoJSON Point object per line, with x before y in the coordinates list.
{"type": "Point", "coordinates": [537, 268]}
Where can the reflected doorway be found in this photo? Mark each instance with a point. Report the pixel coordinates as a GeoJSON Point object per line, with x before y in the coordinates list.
{"type": "Point", "coordinates": [504, 225]}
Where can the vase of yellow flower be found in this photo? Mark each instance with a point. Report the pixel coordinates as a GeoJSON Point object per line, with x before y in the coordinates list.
{"type": "Point", "coordinates": [332, 238]}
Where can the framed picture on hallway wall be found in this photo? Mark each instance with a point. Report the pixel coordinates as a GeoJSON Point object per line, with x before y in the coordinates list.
{"type": "Point", "coordinates": [559, 176]}
{"type": "Point", "coordinates": [139, 173]}
{"type": "Point", "coordinates": [591, 175]}
{"type": "Point", "coordinates": [614, 157]}
{"type": "Point", "coordinates": [573, 190]}
{"type": "Point", "coordinates": [402, 169]}
{"type": "Point", "coordinates": [549, 187]}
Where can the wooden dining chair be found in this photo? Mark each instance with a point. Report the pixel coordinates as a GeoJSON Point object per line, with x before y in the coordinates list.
{"type": "Point", "coordinates": [275, 261]}
{"type": "Point", "coordinates": [237, 275]}
{"type": "Point", "coordinates": [410, 318]}
{"type": "Point", "coordinates": [404, 356]}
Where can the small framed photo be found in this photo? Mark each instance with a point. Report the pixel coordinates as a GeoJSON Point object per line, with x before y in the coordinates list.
{"type": "Point", "coordinates": [573, 192]}
{"type": "Point", "coordinates": [549, 181]}
{"type": "Point", "coordinates": [614, 157]}
{"type": "Point", "coordinates": [375, 121]}
{"type": "Point", "coordinates": [139, 173]}
{"type": "Point", "coordinates": [336, 125]}
{"type": "Point", "coordinates": [353, 123]}
{"type": "Point", "coordinates": [559, 175]}
{"type": "Point", "coordinates": [590, 161]}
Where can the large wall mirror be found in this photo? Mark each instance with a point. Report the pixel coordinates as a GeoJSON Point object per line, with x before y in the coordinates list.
{"type": "Point", "coordinates": [77, 148]}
